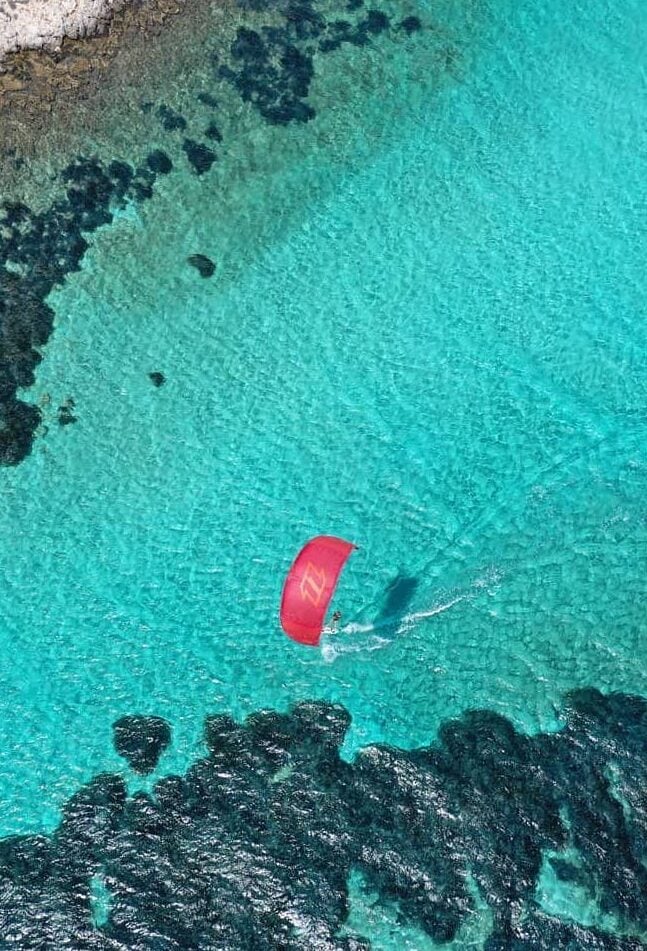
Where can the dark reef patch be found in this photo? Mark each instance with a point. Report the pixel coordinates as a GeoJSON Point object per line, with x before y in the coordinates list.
{"type": "Point", "coordinates": [200, 156]}
{"type": "Point", "coordinates": [273, 68]}
{"type": "Point", "coordinates": [253, 846]}
{"type": "Point", "coordinates": [159, 162]}
{"type": "Point", "coordinates": [65, 412]}
{"type": "Point", "coordinates": [411, 25]}
{"type": "Point", "coordinates": [37, 251]}
{"type": "Point", "coordinates": [208, 100]}
{"type": "Point", "coordinates": [270, 72]}
{"type": "Point", "coordinates": [171, 120]}
{"type": "Point", "coordinates": [202, 264]}
{"type": "Point", "coordinates": [141, 740]}
{"type": "Point", "coordinates": [213, 132]}
{"type": "Point", "coordinates": [376, 22]}
{"type": "Point", "coordinates": [157, 379]}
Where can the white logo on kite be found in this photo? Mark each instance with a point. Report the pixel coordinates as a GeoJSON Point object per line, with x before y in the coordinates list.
{"type": "Point", "coordinates": [313, 584]}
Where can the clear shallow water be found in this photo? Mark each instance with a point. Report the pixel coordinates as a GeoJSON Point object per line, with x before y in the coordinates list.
{"type": "Point", "coordinates": [426, 336]}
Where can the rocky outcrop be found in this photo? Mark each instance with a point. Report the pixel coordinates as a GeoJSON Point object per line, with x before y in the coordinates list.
{"type": "Point", "coordinates": [41, 24]}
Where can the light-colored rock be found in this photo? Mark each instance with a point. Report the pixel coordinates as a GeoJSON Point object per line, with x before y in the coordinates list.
{"type": "Point", "coordinates": [42, 24]}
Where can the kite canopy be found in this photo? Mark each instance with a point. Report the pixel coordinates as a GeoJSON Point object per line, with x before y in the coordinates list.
{"type": "Point", "coordinates": [310, 585]}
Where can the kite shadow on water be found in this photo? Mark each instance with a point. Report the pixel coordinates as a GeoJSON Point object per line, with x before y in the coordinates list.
{"type": "Point", "coordinates": [398, 596]}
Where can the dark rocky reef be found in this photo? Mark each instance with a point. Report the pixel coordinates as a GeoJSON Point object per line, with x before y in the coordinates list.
{"type": "Point", "coordinates": [411, 25]}
{"type": "Point", "coordinates": [37, 251]}
{"type": "Point", "coordinates": [203, 265]}
{"type": "Point", "coordinates": [159, 162]}
{"type": "Point", "coordinates": [273, 67]}
{"type": "Point", "coordinates": [213, 132]}
{"type": "Point", "coordinates": [253, 846]}
{"type": "Point", "coordinates": [65, 412]}
{"type": "Point", "coordinates": [208, 100]}
{"type": "Point", "coordinates": [141, 740]}
{"type": "Point", "coordinates": [157, 378]}
{"type": "Point", "coordinates": [171, 120]}
{"type": "Point", "coordinates": [200, 156]}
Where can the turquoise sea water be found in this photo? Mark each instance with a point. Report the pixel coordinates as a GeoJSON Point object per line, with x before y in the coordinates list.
{"type": "Point", "coordinates": [426, 334]}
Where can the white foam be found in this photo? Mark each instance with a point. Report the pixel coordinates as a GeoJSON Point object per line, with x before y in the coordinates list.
{"type": "Point", "coordinates": [330, 650]}
{"type": "Point", "coordinates": [410, 619]}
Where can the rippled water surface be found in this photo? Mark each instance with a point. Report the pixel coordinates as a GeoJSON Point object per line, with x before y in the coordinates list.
{"type": "Point", "coordinates": [424, 332]}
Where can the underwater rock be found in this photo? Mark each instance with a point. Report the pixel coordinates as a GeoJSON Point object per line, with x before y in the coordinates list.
{"type": "Point", "coordinates": [411, 25]}
{"type": "Point", "coordinates": [200, 156]}
{"type": "Point", "coordinates": [213, 132]}
{"type": "Point", "coordinates": [157, 378]}
{"type": "Point", "coordinates": [208, 100]}
{"type": "Point", "coordinates": [25, 859]}
{"type": "Point", "coordinates": [171, 120]}
{"type": "Point", "coordinates": [37, 251]}
{"type": "Point", "coordinates": [25, 319]}
{"type": "Point", "coordinates": [202, 264]}
{"type": "Point", "coordinates": [541, 932]}
{"type": "Point", "coordinates": [142, 814]}
{"type": "Point", "coordinates": [272, 67]}
{"type": "Point", "coordinates": [376, 21]}
{"type": "Point", "coordinates": [159, 162]}
{"type": "Point", "coordinates": [224, 737]}
{"type": "Point", "coordinates": [121, 175]}
{"type": "Point", "coordinates": [18, 424]}
{"type": "Point", "coordinates": [141, 188]}
{"type": "Point", "coordinates": [141, 740]}
{"type": "Point", "coordinates": [91, 816]}
{"type": "Point", "coordinates": [272, 74]}
{"type": "Point", "coordinates": [65, 414]}
{"type": "Point", "coordinates": [266, 828]}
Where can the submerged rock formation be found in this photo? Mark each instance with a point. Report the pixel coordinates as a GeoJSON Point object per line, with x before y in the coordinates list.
{"type": "Point", "coordinates": [141, 740]}
{"type": "Point", "coordinates": [203, 265]}
{"type": "Point", "coordinates": [256, 841]}
{"type": "Point", "coordinates": [157, 378]}
{"type": "Point", "coordinates": [37, 251]}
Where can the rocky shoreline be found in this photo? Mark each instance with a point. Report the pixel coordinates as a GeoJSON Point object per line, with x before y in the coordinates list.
{"type": "Point", "coordinates": [39, 24]}
{"type": "Point", "coordinates": [51, 49]}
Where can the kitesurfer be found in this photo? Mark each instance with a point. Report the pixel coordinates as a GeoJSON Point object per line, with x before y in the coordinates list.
{"type": "Point", "coordinates": [309, 588]}
{"type": "Point", "coordinates": [334, 622]}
